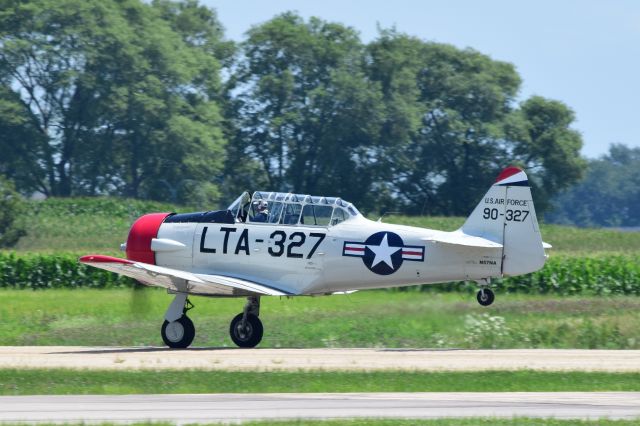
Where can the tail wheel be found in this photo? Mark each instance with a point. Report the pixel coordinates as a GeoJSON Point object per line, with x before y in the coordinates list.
{"type": "Point", "coordinates": [178, 334]}
{"type": "Point", "coordinates": [246, 334]}
{"type": "Point", "coordinates": [485, 297]}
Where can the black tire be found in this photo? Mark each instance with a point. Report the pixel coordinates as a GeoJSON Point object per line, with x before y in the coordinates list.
{"type": "Point", "coordinates": [249, 335]}
{"type": "Point", "coordinates": [486, 297]}
{"type": "Point", "coordinates": [178, 334]}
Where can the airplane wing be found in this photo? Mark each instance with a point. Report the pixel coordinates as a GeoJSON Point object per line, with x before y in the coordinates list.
{"type": "Point", "coordinates": [462, 239]}
{"type": "Point", "coordinates": [181, 281]}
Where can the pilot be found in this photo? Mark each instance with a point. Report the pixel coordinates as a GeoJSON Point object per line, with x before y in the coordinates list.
{"type": "Point", "coordinates": [262, 212]}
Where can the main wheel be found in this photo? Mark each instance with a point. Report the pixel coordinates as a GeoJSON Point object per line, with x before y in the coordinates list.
{"type": "Point", "coordinates": [247, 335]}
{"type": "Point", "coordinates": [178, 333]}
{"type": "Point", "coordinates": [485, 297]}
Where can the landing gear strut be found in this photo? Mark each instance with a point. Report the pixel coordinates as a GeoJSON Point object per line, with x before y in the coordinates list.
{"type": "Point", "coordinates": [178, 330]}
{"type": "Point", "coordinates": [246, 328]}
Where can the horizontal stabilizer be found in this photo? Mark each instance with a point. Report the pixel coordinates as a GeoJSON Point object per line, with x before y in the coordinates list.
{"type": "Point", "coordinates": [181, 281]}
{"type": "Point", "coordinates": [462, 239]}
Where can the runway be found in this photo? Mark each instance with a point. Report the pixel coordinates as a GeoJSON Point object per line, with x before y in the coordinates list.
{"type": "Point", "coordinates": [147, 358]}
{"type": "Point", "coordinates": [183, 409]}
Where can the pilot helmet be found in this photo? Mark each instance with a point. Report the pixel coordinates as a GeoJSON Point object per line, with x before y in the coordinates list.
{"type": "Point", "coordinates": [262, 206]}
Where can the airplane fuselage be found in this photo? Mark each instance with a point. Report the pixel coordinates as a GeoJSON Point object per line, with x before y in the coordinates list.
{"type": "Point", "coordinates": [353, 255]}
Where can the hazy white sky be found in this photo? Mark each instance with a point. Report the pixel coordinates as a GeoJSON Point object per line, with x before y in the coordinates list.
{"type": "Point", "coordinates": [584, 53]}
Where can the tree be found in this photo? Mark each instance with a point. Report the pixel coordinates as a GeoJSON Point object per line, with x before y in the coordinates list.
{"type": "Point", "coordinates": [124, 94]}
{"type": "Point", "coordinates": [394, 61]}
{"type": "Point", "coordinates": [21, 144]}
{"type": "Point", "coordinates": [12, 209]}
{"type": "Point", "coordinates": [452, 125]}
{"type": "Point", "coordinates": [609, 194]}
{"type": "Point", "coordinates": [546, 146]}
{"type": "Point", "coordinates": [305, 110]}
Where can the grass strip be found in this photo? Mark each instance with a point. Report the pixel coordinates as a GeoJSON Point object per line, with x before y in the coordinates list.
{"type": "Point", "coordinates": [366, 319]}
{"type": "Point", "coordinates": [449, 422]}
{"type": "Point", "coordinates": [69, 382]}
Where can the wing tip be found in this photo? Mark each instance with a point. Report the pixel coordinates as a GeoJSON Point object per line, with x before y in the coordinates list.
{"type": "Point", "coordinates": [100, 258]}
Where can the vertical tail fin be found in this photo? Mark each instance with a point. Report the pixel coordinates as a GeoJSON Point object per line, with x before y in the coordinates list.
{"type": "Point", "coordinates": [506, 215]}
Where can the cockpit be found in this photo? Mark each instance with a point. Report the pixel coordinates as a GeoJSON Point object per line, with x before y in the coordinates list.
{"type": "Point", "coordinates": [291, 209]}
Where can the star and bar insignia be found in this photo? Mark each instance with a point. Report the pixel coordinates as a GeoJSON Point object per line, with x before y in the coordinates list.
{"type": "Point", "coordinates": [383, 252]}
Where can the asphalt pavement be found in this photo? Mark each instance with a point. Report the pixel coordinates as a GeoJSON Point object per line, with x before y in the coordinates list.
{"type": "Point", "coordinates": [182, 409]}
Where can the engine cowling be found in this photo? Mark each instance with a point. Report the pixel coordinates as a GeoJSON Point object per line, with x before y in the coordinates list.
{"type": "Point", "coordinates": [142, 232]}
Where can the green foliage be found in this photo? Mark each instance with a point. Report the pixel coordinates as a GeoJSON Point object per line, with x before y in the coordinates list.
{"type": "Point", "coordinates": [566, 276]}
{"type": "Point", "coordinates": [122, 95]}
{"type": "Point", "coordinates": [566, 240]}
{"type": "Point", "coordinates": [472, 421]}
{"type": "Point", "coordinates": [65, 382]}
{"type": "Point", "coordinates": [85, 225]}
{"type": "Point", "coordinates": [435, 124]}
{"type": "Point", "coordinates": [126, 98]}
{"type": "Point", "coordinates": [126, 317]}
{"type": "Point", "coordinates": [100, 225]}
{"type": "Point", "coordinates": [67, 209]}
{"type": "Point", "coordinates": [20, 142]}
{"type": "Point", "coordinates": [54, 271]}
{"type": "Point", "coordinates": [461, 97]}
{"type": "Point", "coordinates": [451, 114]}
{"type": "Point", "coordinates": [546, 143]}
{"type": "Point", "coordinates": [12, 210]}
{"type": "Point", "coordinates": [300, 90]}
{"type": "Point", "coordinates": [609, 195]}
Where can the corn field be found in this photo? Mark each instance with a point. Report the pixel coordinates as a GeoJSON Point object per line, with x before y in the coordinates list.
{"type": "Point", "coordinates": [562, 275]}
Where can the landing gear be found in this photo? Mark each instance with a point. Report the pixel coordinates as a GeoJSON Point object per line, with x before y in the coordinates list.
{"type": "Point", "coordinates": [485, 296]}
{"type": "Point", "coordinates": [246, 328]}
{"type": "Point", "coordinates": [178, 330]}
{"type": "Point", "coordinates": [178, 334]}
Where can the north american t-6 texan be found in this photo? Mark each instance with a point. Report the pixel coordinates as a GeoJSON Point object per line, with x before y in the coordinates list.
{"type": "Point", "coordinates": [285, 244]}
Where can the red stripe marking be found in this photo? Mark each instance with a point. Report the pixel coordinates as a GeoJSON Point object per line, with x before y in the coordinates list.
{"type": "Point", "coordinates": [99, 258]}
{"type": "Point", "coordinates": [508, 172]}
{"type": "Point", "coordinates": [414, 253]}
{"type": "Point", "coordinates": [354, 248]}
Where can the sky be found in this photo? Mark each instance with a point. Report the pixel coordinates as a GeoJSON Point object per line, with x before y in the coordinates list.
{"type": "Point", "coordinates": [584, 53]}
